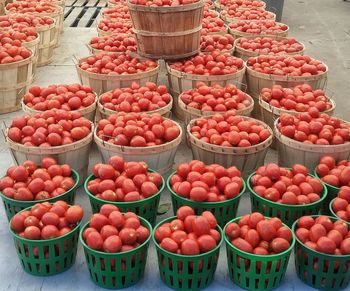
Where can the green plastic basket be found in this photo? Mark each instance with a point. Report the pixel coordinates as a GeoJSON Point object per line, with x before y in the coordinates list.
{"type": "Point", "coordinates": [13, 206]}
{"type": "Point", "coordinates": [47, 257]}
{"type": "Point", "coordinates": [287, 213]}
{"type": "Point", "coordinates": [182, 272]}
{"type": "Point", "coordinates": [116, 270]}
{"type": "Point", "coordinates": [321, 271]}
{"type": "Point", "coordinates": [223, 210]}
{"type": "Point", "coordinates": [146, 208]}
{"type": "Point", "coordinates": [332, 193]}
{"type": "Point", "coordinates": [256, 272]}
{"type": "Point", "coordinates": [331, 211]}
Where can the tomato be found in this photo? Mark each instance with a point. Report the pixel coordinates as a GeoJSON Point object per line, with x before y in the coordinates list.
{"type": "Point", "coordinates": [317, 231]}
{"type": "Point", "coordinates": [97, 221]}
{"type": "Point", "coordinates": [242, 245]}
{"type": "Point", "coordinates": [49, 231]}
{"type": "Point", "coordinates": [206, 243]}
{"type": "Point", "coordinates": [74, 214]}
{"type": "Point", "coordinates": [169, 245]}
{"type": "Point", "coordinates": [325, 245]}
{"type": "Point", "coordinates": [128, 236]}
{"type": "Point", "coordinates": [266, 230]}
{"type": "Point", "coordinates": [94, 240]}
{"type": "Point", "coordinates": [190, 247]}
{"type": "Point", "coordinates": [112, 244]}
{"type": "Point", "coordinates": [32, 232]}
{"type": "Point", "coordinates": [183, 212]}
{"type": "Point", "coordinates": [17, 223]}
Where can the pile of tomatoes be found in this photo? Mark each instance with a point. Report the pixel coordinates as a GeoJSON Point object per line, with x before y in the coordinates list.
{"type": "Point", "coordinates": [341, 204]}
{"type": "Point", "coordinates": [300, 98]}
{"type": "Point", "coordinates": [121, 181]}
{"type": "Point", "coordinates": [30, 181]}
{"type": "Point", "coordinates": [208, 13]}
{"type": "Point", "coordinates": [212, 64]}
{"type": "Point", "coordinates": [213, 25]}
{"type": "Point", "coordinates": [188, 234]}
{"type": "Point", "coordinates": [269, 45]}
{"type": "Point", "coordinates": [136, 98]}
{"type": "Point", "coordinates": [287, 186]}
{"type": "Point", "coordinates": [117, 13]}
{"type": "Point", "coordinates": [137, 130]}
{"type": "Point", "coordinates": [116, 64]}
{"type": "Point", "coordinates": [31, 7]}
{"type": "Point", "coordinates": [114, 43]}
{"type": "Point", "coordinates": [120, 26]}
{"type": "Point", "coordinates": [215, 98]}
{"type": "Point", "coordinates": [155, 3]}
{"type": "Point", "coordinates": [228, 130]}
{"type": "Point", "coordinates": [11, 53]}
{"type": "Point", "coordinates": [333, 173]}
{"type": "Point", "coordinates": [120, 3]}
{"type": "Point", "coordinates": [263, 27]}
{"type": "Point", "coordinates": [65, 96]}
{"type": "Point", "coordinates": [287, 65]}
{"type": "Point", "coordinates": [206, 183]}
{"type": "Point", "coordinates": [255, 234]}
{"type": "Point", "coordinates": [219, 42]}
{"type": "Point", "coordinates": [46, 221]}
{"type": "Point", "coordinates": [50, 128]}
{"type": "Point", "coordinates": [33, 20]}
{"type": "Point", "coordinates": [17, 35]}
{"type": "Point", "coordinates": [243, 4]}
{"type": "Point", "coordinates": [324, 235]}
{"type": "Point", "coordinates": [111, 231]}
{"type": "Point", "coordinates": [254, 15]}
{"type": "Point", "coordinates": [314, 127]}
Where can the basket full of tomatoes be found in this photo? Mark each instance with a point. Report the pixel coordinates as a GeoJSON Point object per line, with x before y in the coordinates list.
{"type": "Point", "coordinates": [115, 246]}
{"type": "Point", "coordinates": [207, 188]}
{"type": "Point", "coordinates": [286, 193]}
{"type": "Point", "coordinates": [46, 237]}
{"type": "Point", "coordinates": [29, 183]}
{"type": "Point", "coordinates": [131, 186]}
{"type": "Point", "coordinates": [258, 250]}
{"type": "Point", "coordinates": [322, 252]}
{"type": "Point", "coordinates": [188, 248]}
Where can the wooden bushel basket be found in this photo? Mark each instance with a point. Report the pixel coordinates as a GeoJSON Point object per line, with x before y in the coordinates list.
{"type": "Point", "coordinates": [34, 47]}
{"type": "Point", "coordinates": [256, 81]}
{"type": "Point", "coordinates": [193, 113]}
{"type": "Point", "coordinates": [159, 158]}
{"type": "Point", "coordinates": [15, 79]}
{"type": "Point", "coordinates": [180, 81]}
{"type": "Point", "coordinates": [75, 154]}
{"type": "Point", "coordinates": [48, 40]}
{"type": "Point", "coordinates": [247, 160]}
{"type": "Point", "coordinates": [237, 33]}
{"type": "Point", "coordinates": [167, 32]}
{"type": "Point", "coordinates": [292, 152]}
{"type": "Point", "coordinates": [105, 112]}
{"type": "Point", "coordinates": [101, 83]}
{"type": "Point", "coordinates": [246, 54]}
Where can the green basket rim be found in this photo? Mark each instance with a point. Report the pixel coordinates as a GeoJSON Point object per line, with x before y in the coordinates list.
{"type": "Point", "coordinates": [334, 214]}
{"type": "Point", "coordinates": [76, 178]}
{"type": "Point", "coordinates": [144, 221]}
{"type": "Point", "coordinates": [186, 256]}
{"type": "Point", "coordinates": [314, 251]}
{"type": "Point", "coordinates": [328, 185]}
{"type": "Point", "coordinates": [205, 203]}
{"type": "Point", "coordinates": [275, 256]}
{"type": "Point", "coordinates": [125, 204]}
{"type": "Point", "coordinates": [41, 241]}
{"type": "Point", "coordinates": [288, 206]}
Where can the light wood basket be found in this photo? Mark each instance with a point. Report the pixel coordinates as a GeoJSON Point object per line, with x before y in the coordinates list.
{"type": "Point", "coordinates": [247, 159]}
{"type": "Point", "coordinates": [167, 32]}
{"type": "Point", "coordinates": [159, 158]}
{"type": "Point", "coordinates": [34, 47]}
{"type": "Point", "coordinates": [101, 83]}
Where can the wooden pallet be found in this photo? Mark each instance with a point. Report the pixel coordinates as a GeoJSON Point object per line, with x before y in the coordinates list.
{"type": "Point", "coordinates": [82, 13]}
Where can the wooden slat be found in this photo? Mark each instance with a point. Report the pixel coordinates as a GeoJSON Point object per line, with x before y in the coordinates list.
{"type": "Point", "coordinates": [72, 16]}
{"type": "Point", "coordinates": [80, 3]}
{"type": "Point", "coordinates": [86, 17]}
{"type": "Point", "coordinates": [91, 3]}
{"type": "Point", "coordinates": [102, 3]}
{"type": "Point", "coordinates": [69, 2]}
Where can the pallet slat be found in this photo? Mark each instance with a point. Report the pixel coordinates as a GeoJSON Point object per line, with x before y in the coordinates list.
{"type": "Point", "coordinates": [89, 13]}
{"type": "Point", "coordinates": [72, 16]}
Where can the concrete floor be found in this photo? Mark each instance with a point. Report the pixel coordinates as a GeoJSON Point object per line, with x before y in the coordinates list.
{"type": "Point", "coordinates": [322, 25]}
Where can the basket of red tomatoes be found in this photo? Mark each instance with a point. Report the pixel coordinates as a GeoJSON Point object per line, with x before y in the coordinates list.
{"type": "Point", "coordinates": [46, 237]}
{"type": "Point", "coordinates": [188, 248]}
{"type": "Point", "coordinates": [322, 252]}
{"type": "Point", "coordinates": [115, 246]}
{"type": "Point", "coordinates": [207, 188]}
{"type": "Point", "coordinates": [258, 250]}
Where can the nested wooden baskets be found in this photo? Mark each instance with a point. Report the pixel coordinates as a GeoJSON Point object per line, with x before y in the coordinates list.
{"type": "Point", "coordinates": [167, 32]}
{"type": "Point", "coordinates": [190, 113]}
{"type": "Point", "coordinates": [180, 81]}
{"type": "Point", "coordinates": [246, 159]}
{"type": "Point", "coordinates": [101, 83]}
{"type": "Point", "coordinates": [292, 152]}
{"type": "Point", "coordinates": [15, 79]}
{"type": "Point", "coordinates": [75, 154]}
{"type": "Point", "coordinates": [48, 40]}
{"type": "Point", "coordinates": [237, 33]}
{"type": "Point", "coordinates": [34, 47]}
{"type": "Point", "coordinates": [159, 158]}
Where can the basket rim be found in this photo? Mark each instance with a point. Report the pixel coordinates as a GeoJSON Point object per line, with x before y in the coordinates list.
{"type": "Point", "coordinates": [41, 241]}
{"type": "Point", "coordinates": [274, 256]}
{"type": "Point", "coordinates": [158, 247]}
{"type": "Point", "coordinates": [314, 251]}
{"type": "Point", "coordinates": [205, 203]}
{"type": "Point", "coordinates": [327, 185]}
{"type": "Point", "coordinates": [122, 203]}
{"type": "Point", "coordinates": [334, 214]}
{"type": "Point", "coordinates": [74, 188]}
{"type": "Point", "coordinates": [290, 206]}
{"type": "Point", "coordinates": [85, 246]}
{"type": "Point", "coordinates": [16, 63]}
{"type": "Point", "coordinates": [162, 9]}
